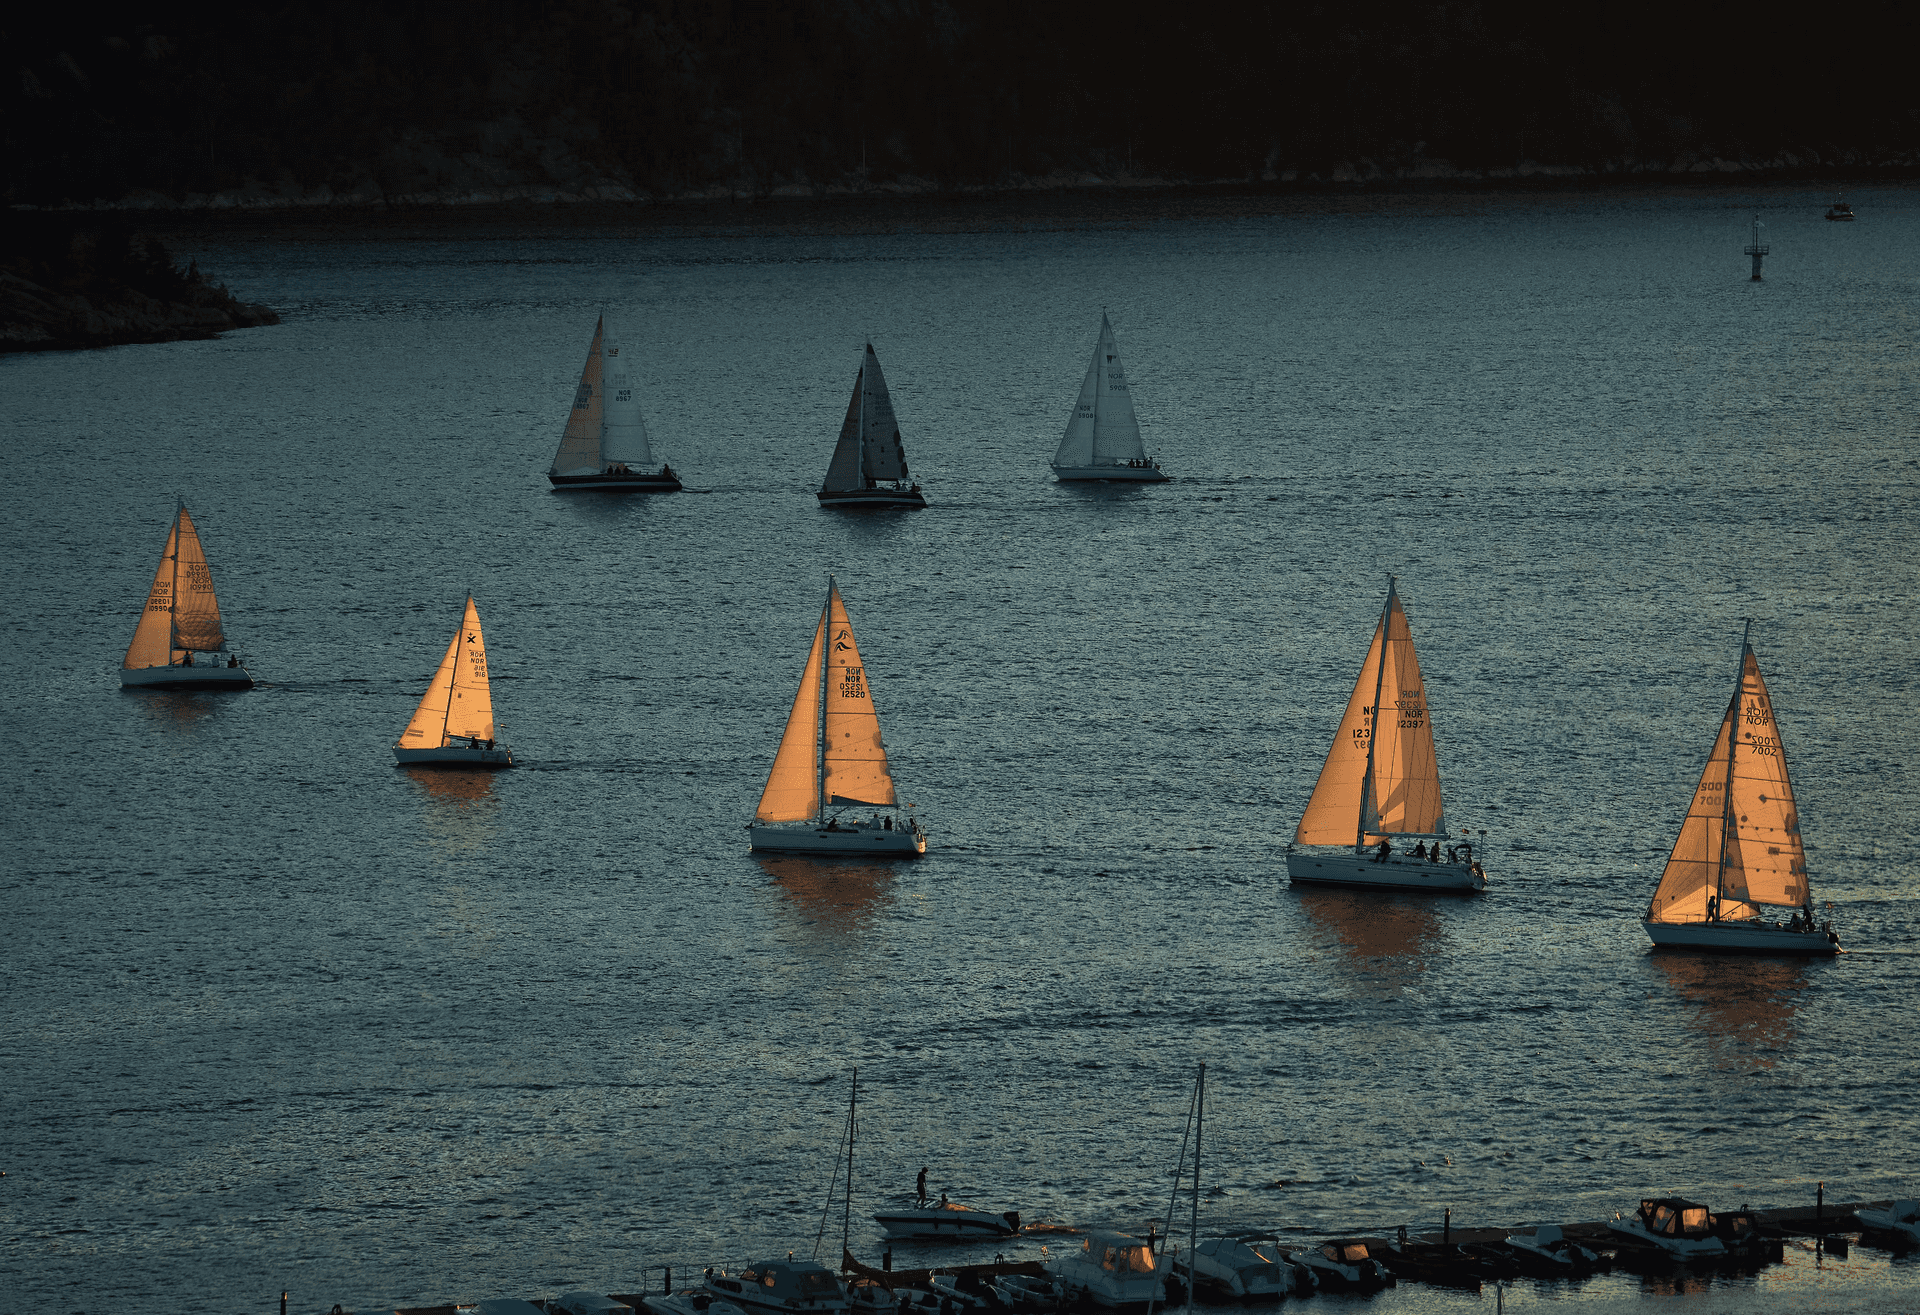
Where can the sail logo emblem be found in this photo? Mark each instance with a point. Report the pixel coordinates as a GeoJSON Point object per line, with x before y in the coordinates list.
{"type": "Point", "coordinates": [840, 644]}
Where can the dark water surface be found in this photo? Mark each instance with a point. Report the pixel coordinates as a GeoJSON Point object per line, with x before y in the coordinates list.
{"type": "Point", "coordinates": [281, 1015]}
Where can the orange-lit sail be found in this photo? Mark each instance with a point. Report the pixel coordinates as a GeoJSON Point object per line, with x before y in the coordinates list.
{"type": "Point", "coordinates": [793, 786]}
{"type": "Point", "coordinates": [1740, 840]}
{"type": "Point", "coordinates": [182, 615]}
{"type": "Point", "coordinates": [459, 701]}
{"type": "Point", "coordinates": [1385, 783]}
{"type": "Point", "coordinates": [853, 761]}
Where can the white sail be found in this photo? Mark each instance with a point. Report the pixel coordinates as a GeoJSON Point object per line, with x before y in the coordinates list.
{"type": "Point", "coordinates": [182, 615]}
{"type": "Point", "coordinates": [843, 472]}
{"type": "Point", "coordinates": [623, 436]}
{"type": "Point", "coordinates": [579, 452]}
{"type": "Point", "coordinates": [1103, 430]}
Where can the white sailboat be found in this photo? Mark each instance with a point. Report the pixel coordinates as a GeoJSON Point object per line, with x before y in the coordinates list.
{"type": "Point", "coordinates": [453, 726]}
{"type": "Point", "coordinates": [182, 620]}
{"type": "Point", "coordinates": [1739, 854]}
{"type": "Point", "coordinates": [604, 445]}
{"type": "Point", "coordinates": [1376, 790]}
{"type": "Point", "coordinates": [1102, 441]}
{"type": "Point", "coordinates": [831, 758]}
{"type": "Point", "coordinates": [869, 466]}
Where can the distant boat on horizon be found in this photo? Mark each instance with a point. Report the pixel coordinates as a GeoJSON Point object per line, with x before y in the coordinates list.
{"type": "Point", "coordinates": [869, 466]}
{"type": "Point", "coordinates": [1103, 441]}
{"type": "Point", "coordinates": [1840, 212]}
{"type": "Point", "coordinates": [1381, 782]}
{"type": "Point", "coordinates": [453, 724]}
{"type": "Point", "coordinates": [182, 618]}
{"type": "Point", "coordinates": [604, 446]}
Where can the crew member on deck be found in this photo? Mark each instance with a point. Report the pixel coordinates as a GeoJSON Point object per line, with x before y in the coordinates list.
{"type": "Point", "coordinates": [921, 1186]}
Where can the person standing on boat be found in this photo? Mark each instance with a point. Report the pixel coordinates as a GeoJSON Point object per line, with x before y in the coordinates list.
{"type": "Point", "coordinates": [1380, 854]}
{"type": "Point", "coordinates": [922, 1186]}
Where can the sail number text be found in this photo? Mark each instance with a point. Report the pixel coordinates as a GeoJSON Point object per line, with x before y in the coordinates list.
{"type": "Point", "coordinates": [852, 685]}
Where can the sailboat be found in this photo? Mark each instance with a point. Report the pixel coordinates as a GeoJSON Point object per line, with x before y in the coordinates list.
{"type": "Point", "coordinates": [453, 726]}
{"type": "Point", "coordinates": [604, 445]}
{"type": "Point", "coordinates": [1103, 438]}
{"type": "Point", "coordinates": [1376, 790]}
{"type": "Point", "coordinates": [831, 758]}
{"type": "Point", "coordinates": [182, 619]}
{"type": "Point", "coordinates": [1739, 852]}
{"type": "Point", "coordinates": [869, 466]}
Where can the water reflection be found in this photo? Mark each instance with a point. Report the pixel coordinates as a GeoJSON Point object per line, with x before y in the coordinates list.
{"type": "Point", "coordinates": [1745, 1007]}
{"type": "Point", "coordinates": [459, 813]}
{"type": "Point", "coordinates": [841, 898]}
{"type": "Point", "coordinates": [174, 707]}
{"type": "Point", "coordinates": [1385, 942]}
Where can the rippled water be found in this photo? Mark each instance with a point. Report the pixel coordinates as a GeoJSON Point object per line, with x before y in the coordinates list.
{"type": "Point", "coordinates": [281, 1015]}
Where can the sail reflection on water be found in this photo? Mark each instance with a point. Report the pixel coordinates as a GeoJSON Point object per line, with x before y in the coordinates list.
{"type": "Point", "coordinates": [177, 708]}
{"type": "Point", "coordinates": [841, 897]}
{"type": "Point", "coordinates": [458, 814]}
{"type": "Point", "coordinates": [1745, 1008]}
{"type": "Point", "coordinates": [1386, 942]}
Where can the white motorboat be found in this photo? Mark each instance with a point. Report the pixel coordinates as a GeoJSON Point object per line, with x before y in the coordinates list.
{"type": "Point", "coordinates": [869, 466]}
{"type": "Point", "coordinates": [1102, 441]}
{"type": "Point", "coordinates": [1549, 1247]}
{"type": "Point", "coordinates": [1682, 1229]}
{"type": "Point", "coordinates": [1379, 790]}
{"type": "Point", "coordinates": [831, 758]}
{"type": "Point", "coordinates": [697, 1301]}
{"type": "Point", "coordinates": [453, 724]}
{"type": "Point", "coordinates": [1902, 1219]}
{"type": "Point", "coordinates": [181, 621]}
{"type": "Point", "coordinates": [1111, 1270]}
{"type": "Point", "coordinates": [947, 1222]}
{"type": "Point", "coordinates": [964, 1296]}
{"type": "Point", "coordinates": [780, 1287]}
{"type": "Point", "coordinates": [1738, 862]}
{"type": "Point", "coordinates": [604, 445]}
{"type": "Point", "coordinates": [1025, 1293]}
{"type": "Point", "coordinates": [1239, 1269]}
{"type": "Point", "coordinates": [588, 1303]}
{"type": "Point", "coordinates": [1343, 1264]}
{"type": "Point", "coordinates": [868, 1296]}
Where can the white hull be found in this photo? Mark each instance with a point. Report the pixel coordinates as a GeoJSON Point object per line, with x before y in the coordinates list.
{"type": "Point", "coordinates": [455, 756]}
{"type": "Point", "coordinates": [616, 483]}
{"type": "Point", "coordinates": [1397, 873]}
{"type": "Point", "coordinates": [881, 497]}
{"type": "Point", "coordinates": [206, 676]}
{"type": "Point", "coordinates": [1113, 474]}
{"type": "Point", "coordinates": [935, 1225]}
{"type": "Point", "coordinates": [1681, 1248]}
{"type": "Point", "coordinates": [843, 840]}
{"type": "Point", "coordinates": [1903, 1220]}
{"type": "Point", "coordinates": [1739, 938]}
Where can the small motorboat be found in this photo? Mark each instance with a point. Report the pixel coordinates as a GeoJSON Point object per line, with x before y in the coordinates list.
{"type": "Point", "coordinates": [697, 1301]}
{"type": "Point", "coordinates": [1549, 1250]}
{"type": "Point", "coordinates": [780, 1287]}
{"type": "Point", "coordinates": [966, 1291]}
{"type": "Point", "coordinates": [1236, 1269]}
{"type": "Point", "coordinates": [1901, 1219]}
{"type": "Point", "coordinates": [947, 1222]}
{"type": "Point", "coordinates": [588, 1303]}
{"type": "Point", "coordinates": [1344, 1263]}
{"type": "Point", "coordinates": [866, 1296]}
{"type": "Point", "coordinates": [1682, 1229]}
{"type": "Point", "coordinates": [1111, 1270]}
{"type": "Point", "coordinates": [1023, 1292]}
{"type": "Point", "coordinates": [1840, 213]}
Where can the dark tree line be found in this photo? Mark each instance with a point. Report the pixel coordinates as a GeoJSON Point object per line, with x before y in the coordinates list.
{"type": "Point", "coordinates": [668, 96]}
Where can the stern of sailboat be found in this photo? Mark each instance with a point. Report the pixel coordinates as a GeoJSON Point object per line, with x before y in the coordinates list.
{"type": "Point", "coordinates": [198, 676]}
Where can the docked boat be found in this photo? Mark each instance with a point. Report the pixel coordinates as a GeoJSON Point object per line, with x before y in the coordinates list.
{"type": "Point", "coordinates": [697, 1301]}
{"type": "Point", "coordinates": [1113, 1271]}
{"type": "Point", "coordinates": [587, 1303]}
{"type": "Point", "coordinates": [1901, 1219]}
{"type": "Point", "coordinates": [453, 725]}
{"type": "Point", "coordinates": [1344, 1263]}
{"type": "Point", "coordinates": [181, 622]}
{"type": "Point", "coordinates": [831, 759]}
{"type": "Point", "coordinates": [780, 1287]}
{"type": "Point", "coordinates": [869, 466]}
{"type": "Point", "coordinates": [1103, 441]}
{"type": "Point", "coordinates": [1243, 1269]}
{"type": "Point", "coordinates": [1027, 1294]}
{"type": "Point", "coordinates": [869, 1296]}
{"type": "Point", "coordinates": [1682, 1229]}
{"type": "Point", "coordinates": [605, 445]}
{"type": "Point", "coordinates": [1378, 792]}
{"type": "Point", "coordinates": [947, 1222]}
{"type": "Point", "coordinates": [1549, 1250]}
{"type": "Point", "coordinates": [1738, 862]}
{"type": "Point", "coordinates": [1840, 212]}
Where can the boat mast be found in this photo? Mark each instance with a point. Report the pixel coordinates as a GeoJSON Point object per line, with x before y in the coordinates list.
{"type": "Point", "coordinates": [1193, 1229]}
{"type": "Point", "coordinates": [820, 727]}
{"type": "Point", "coordinates": [865, 473]}
{"type": "Point", "coordinates": [1379, 679]}
{"type": "Point", "coordinates": [173, 590]}
{"type": "Point", "coordinates": [1726, 794]}
{"type": "Point", "coordinates": [453, 676]}
{"type": "Point", "coordinates": [846, 1217]}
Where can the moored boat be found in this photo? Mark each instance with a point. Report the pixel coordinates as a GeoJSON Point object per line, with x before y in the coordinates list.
{"type": "Point", "coordinates": [604, 445]}
{"type": "Point", "coordinates": [1103, 441]}
{"type": "Point", "coordinates": [696, 1301]}
{"type": "Point", "coordinates": [947, 1222]}
{"type": "Point", "coordinates": [869, 466]}
{"type": "Point", "coordinates": [181, 620]}
{"type": "Point", "coordinates": [1738, 862]}
{"type": "Point", "coordinates": [1381, 784]}
{"type": "Point", "coordinates": [780, 1287]}
{"type": "Point", "coordinates": [1682, 1229]}
{"type": "Point", "coordinates": [831, 758]}
{"type": "Point", "coordinates": [453, 724]}
{"type": "Point", "coordinates": [1242, 1269]}
{"type": "Point", "coordinates": [1549, 1250]}
{"type": "Point", "coordinates": [1111, 1270]}
{"type": "Point", "coordinates": [1900, 1219]}
{"type": "Point", "coordinates": [1344, 1263]}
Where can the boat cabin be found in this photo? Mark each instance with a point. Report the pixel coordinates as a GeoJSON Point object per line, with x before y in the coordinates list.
{"type": "Point", "coordinates": [1118, 1254]}
{"type": "Point", "coordinates": [1346, 1253]}
{"type": "Point", "coordinates": [792, 1284]}
{"type": "Point", "coordinates": [1669, 1216]}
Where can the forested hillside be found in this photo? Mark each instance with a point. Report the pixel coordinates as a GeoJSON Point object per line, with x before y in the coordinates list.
{"type": "Point", "coordinates": [437, 99]}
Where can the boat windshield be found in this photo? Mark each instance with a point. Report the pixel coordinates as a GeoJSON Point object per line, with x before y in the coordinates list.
{"type": "Point", "coordinates": [817, 1283]}
{"type": "Point", "coordinates": [1127, 1259]}
{"type": "Point", "coordinates": [1351, 1254]}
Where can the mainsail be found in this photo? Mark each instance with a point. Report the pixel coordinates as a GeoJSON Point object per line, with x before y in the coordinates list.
{"type": "Point", "coordinates": [181, 616]}
{"type": "Point", "coordinates": [1103, 430]}
{"type": "Point", "coordinates": [1740, 840]}
{"type": "Point", "coordinates": [459, 702]}
{"type": "Point", "coordinates": [1385, 784]}
{"type": "Point", "coordinates": [579, 452]}
{"type": "Point", "coordinates": [869, 446]}
{"type": "Point", "coordinates": [831, 755]}
{"type": "Point", "coordinates": [623, 437]}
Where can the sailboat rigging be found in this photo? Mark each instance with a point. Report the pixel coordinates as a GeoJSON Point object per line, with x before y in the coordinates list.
{"type": "Point", "coordinates": [1739, 851]}
{"type": "Point", "coordinates": [1102, 441]}
{"type": "Point", "coordinates": [831, 758]}
{"type": "Point", "coordinates": [604, 445]}
{"type": "Point", "coordinates": [453, 724]}
{"type": "Point", "coordinates": [1381, 783]}
{"type": "Point", "coordinates": [869, 466]}
{"type": "Point", "coordinates": [182, 619]}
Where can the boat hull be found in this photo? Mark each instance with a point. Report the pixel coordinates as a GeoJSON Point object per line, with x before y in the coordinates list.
{"type": "Point", "coordinates": [655, 483]}
{"type": "Point", "coordinates": [841, 840]}
{"type": "Point", "coordinates": [454, 756]}
{"type": "Point", "coordinates": [1111, 474]}
{"type": "Point", "coordinates": [943, 1225]}
{"type": "Point", "coordinates": [1320, 869]}
{"type": "Point", "coordinates": [197, 677]}
{"type": "Point", "coordinates": [1739, 938]}
{"type": "Point", "coordinates": [856, 498]}
{"type": "Point", "coordinates": [1680, 1248]}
